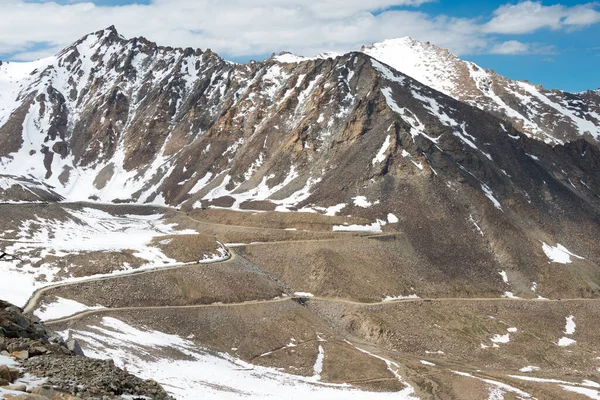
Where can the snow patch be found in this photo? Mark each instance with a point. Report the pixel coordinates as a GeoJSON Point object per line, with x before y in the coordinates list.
{"type": "Point", "coordinates": [318, 367]}
{"type": "Point", "coordinates": [333, 210]}
{"type": "Point", "coordinates": [501, 338]}
{"type": "Point", "coordinates": [62, 308]}
{"type": "Point", "coordinates": [490, 195]}
{"type": "Point", "coordinates": [559, 253]}
{"type": "Point", "coordinates": [380, 156]}
{"type": "Point", "coordinates": [565, 342]}
{"type": "Point", "coordinates": [530, 368]}
{"type": "Point", "coordinates": [591, 393]}
{"type": "Point", "coordinates": [394, 298]}
{"type": "Point", "coordinates": [303, 294]}
{"type": "Point", "coordinates": [570, 325]}
{"type": "Point", "coordinates": [499, 385]}
{"type": "Point", "coordinates": [361, 201]}
{"type": "Point", "coordinates": [504, 276]}
{"type": "Point", "coordinates": [375, 227]}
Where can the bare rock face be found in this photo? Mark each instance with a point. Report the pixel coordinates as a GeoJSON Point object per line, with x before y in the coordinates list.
{"type": "Point", "coordinates": [71, 375]}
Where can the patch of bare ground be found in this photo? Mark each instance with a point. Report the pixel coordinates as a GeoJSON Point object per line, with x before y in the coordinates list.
{"type": "Point", "coordinates": [249, 234]}
{"type": "Point", "coordinates": [369, 269]}
{"type": "Point", "coordinates": [187, 248]}
{"type": "Point", "coordinates": [79, 265]}
{"type": "Point", "coordinates": [274, 220]}
{"type": "Point", "coordinates": [487, 335]}
{"type": "Point", "coordinates": [227, 282]}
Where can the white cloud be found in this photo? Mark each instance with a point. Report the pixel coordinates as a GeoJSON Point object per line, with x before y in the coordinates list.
{"type": "Point", "coordinates": [510, 47]}
{"type": "Point", "coordinates": [36, 54]}
{"type": "Point", "coordinates": [530, 16]}
{"type": "Point", "coordinates": [514, 47]}
{"type": "Point", "coordinates": [236, 28]}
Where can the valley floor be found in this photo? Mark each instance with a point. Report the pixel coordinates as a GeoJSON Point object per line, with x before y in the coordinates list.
{"type": "Point", "coordinates": [228, 305]}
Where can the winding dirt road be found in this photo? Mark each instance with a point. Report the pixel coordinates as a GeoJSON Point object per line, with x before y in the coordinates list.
{"type": "Point", "coordinates": [310, 299]}
{"type": "Point", "coordinates": [34, 299]}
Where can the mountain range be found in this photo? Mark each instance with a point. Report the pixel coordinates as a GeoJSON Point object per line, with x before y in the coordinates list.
{"type": "Point", "coordinates": [467, 185]}
{"type": "Point", "coordinates": [112, 119]}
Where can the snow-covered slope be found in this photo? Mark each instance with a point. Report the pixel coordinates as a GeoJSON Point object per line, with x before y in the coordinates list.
{"type": "Point", "coordinates": [553, 116]}
{"type": "Point", "coordinates": [13, 78]}
{"type": "Point", "coordinates": [194, 370]}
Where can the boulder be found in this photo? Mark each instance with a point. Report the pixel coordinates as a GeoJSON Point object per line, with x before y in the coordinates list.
{"type": "Point", "coordinates": [5, 373]}
{"type": "Point", "coordinates": [4, 304]}
{"type": "Point", "coordinates": [19, 318]}
{"type": "Point", "coordinates": [13, 331]}
{"type": "Point", "coordinates": [74, 346]}
{"type": "Point", "coordinates": [15, 373]}
{"type": "Point", "coordinates": [37, 351]}
{"type": "Point", "coordinates": [4, 382]}
{"type": "Point", "coordinates": [17, 346]}
{"type": "Point", "coordinates": [55, 338]}
{"type": "Point", "coordinates": [16, 388]}
{"type": "Point", "coordinates": [39, 329]}
{"type": "Point", "coordinates": [20, 355]}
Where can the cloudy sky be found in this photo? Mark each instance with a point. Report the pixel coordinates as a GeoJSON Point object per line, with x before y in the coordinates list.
{"type": "Point", "coordinates": [553, 43]}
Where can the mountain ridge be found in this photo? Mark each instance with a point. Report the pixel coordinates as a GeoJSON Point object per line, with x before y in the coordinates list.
{"type": "Point", "coordinates": [553, 116]}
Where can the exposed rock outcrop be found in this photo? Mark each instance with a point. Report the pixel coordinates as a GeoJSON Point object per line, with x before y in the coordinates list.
{"type": "Point", "coordinates": [61, 370]}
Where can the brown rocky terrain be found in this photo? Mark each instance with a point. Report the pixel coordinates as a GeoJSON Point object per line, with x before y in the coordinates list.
{"type": "Point", "coordinates": [47, 368]}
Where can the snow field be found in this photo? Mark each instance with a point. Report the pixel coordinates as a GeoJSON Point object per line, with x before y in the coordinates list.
{"type": "Point", "coordinates": [217, 376]}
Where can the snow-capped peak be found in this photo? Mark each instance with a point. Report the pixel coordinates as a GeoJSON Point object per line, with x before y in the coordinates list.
{"type": "Point", "coordinates": [422, 61]}
{"type": "Point", "coordinates": [552, 116]}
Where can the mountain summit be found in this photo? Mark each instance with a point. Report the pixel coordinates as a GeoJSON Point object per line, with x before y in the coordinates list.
{"type": "Point", "coordinates": [552, 116]}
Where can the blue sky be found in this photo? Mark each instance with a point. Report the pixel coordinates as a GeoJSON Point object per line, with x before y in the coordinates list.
{"type": "Point", "coordinates": [554, 43]}
{"type": "Point", "coordinates": [572, 65]}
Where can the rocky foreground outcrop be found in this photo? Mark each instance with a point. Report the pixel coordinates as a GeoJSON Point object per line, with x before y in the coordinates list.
{"type": "Point", "coordinates": [63, 371]}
